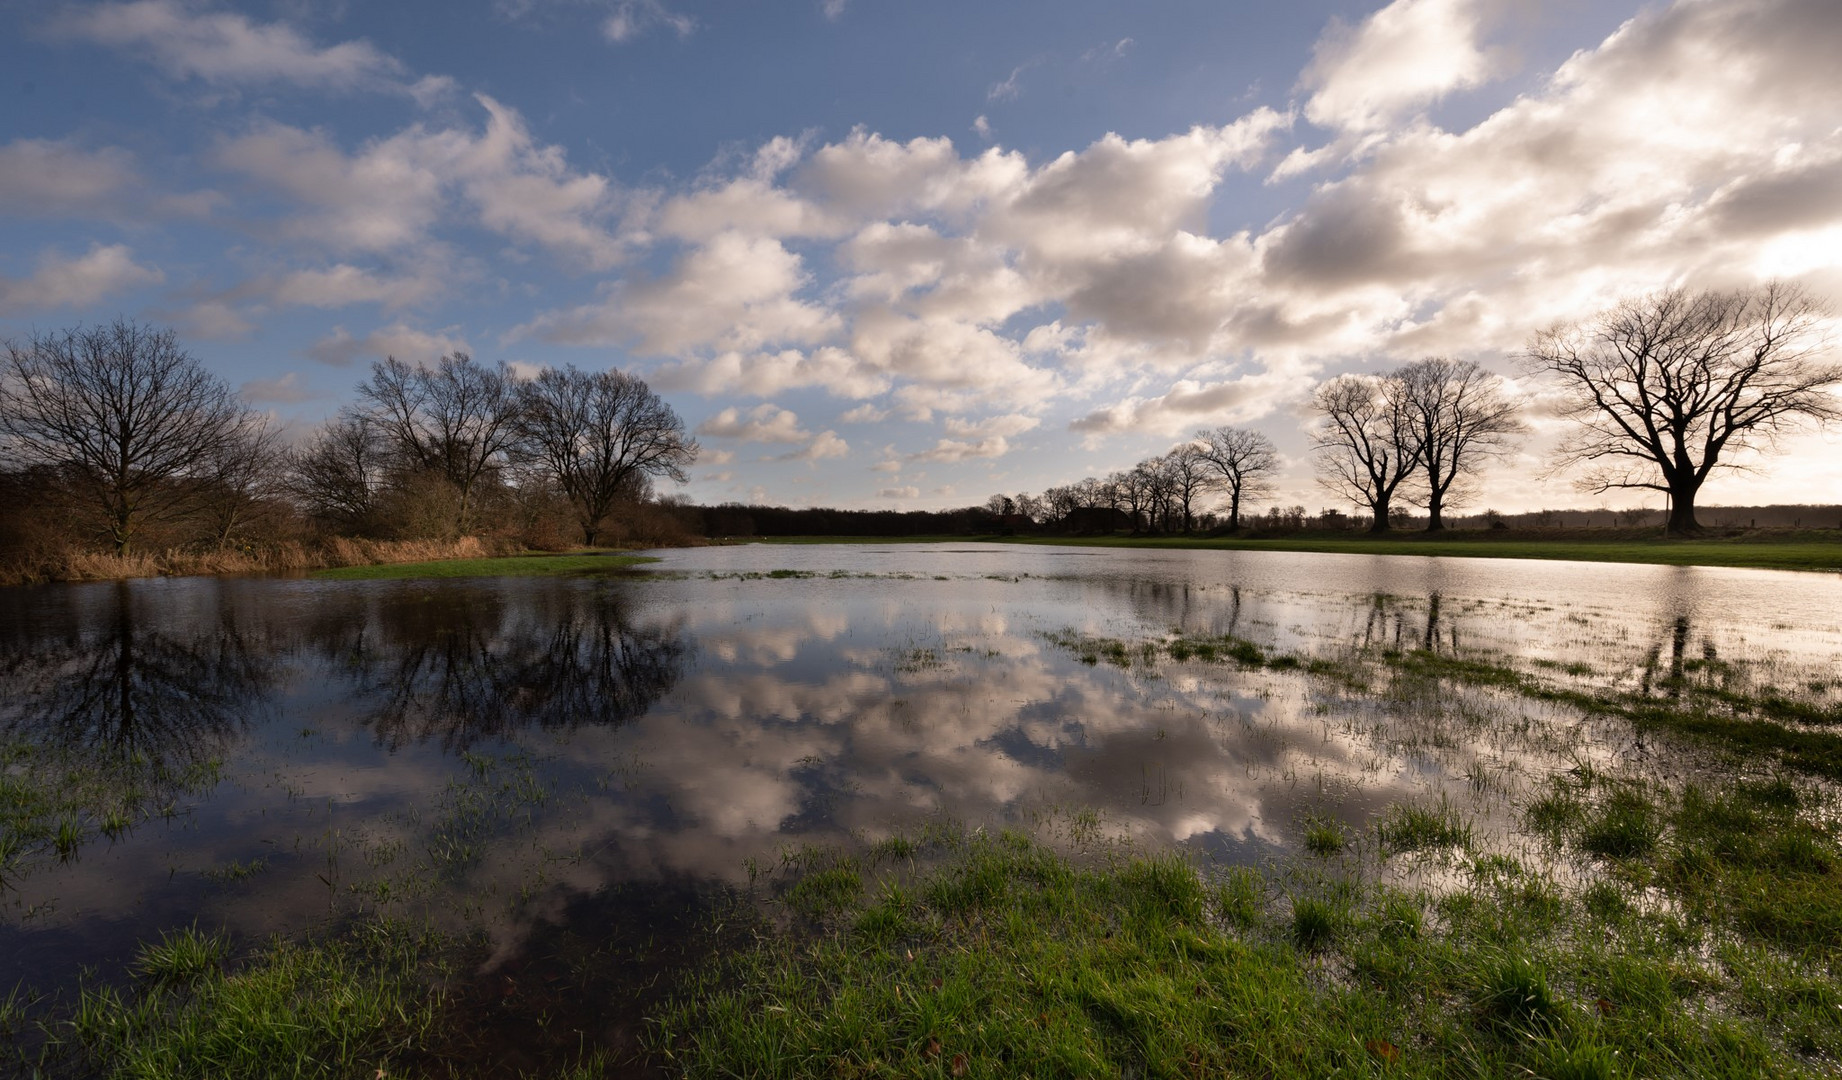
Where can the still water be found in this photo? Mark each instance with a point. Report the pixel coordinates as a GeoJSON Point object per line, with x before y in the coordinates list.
{"type": "Point", "coordinates": [500, 755]}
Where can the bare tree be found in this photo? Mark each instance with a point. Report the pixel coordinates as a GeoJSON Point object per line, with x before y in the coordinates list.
{"type": "Point", "coordinates": [242, 475]}
{"type": "Point", "coordinates": [1366, 445]}
{"type": "Point", "coordinates": [1460, 417]}
{"type": "Point", "coordinates": [1188, 473]}
{"type": "Point", "coordinates": [600, 437]}
{"type": "Point", "coordinates": [1666, 387]}
{"type": "Point", "coordinates": [1245, 463]}
{"type": "Point", "coordinates": [337, 473]}
{"type": "Point", "coordinates": [122, 410]}
{"type": "Point", "coordinates": [455, 420]}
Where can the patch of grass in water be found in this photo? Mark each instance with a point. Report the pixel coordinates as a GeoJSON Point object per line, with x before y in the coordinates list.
{"type": "Point", "coordinates": [1419, 827]}
{"type": "Point", "coordinates": [508, 566]}
{"type": "Point", "coordinates": [1007, 959]}
{"type": "Point", "coordinates": [353, 1006]}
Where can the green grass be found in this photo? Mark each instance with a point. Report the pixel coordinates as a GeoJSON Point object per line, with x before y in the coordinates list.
{"type": "Point", "coordinates": [1006, 959]}
{"type": "Point", "coordinates": [509, 566]}
{"type": "Point", "coordinates": [349, 1007]}
{"type": "Point", "coordinates": [1807, 550]}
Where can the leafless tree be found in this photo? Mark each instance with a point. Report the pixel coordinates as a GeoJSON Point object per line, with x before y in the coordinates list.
{"type": "Point", "coordinates": [336, 474]}
{"type": "Point", "coordinates": [1188, 473]}
{"type": "Point", "coordinates": [1460, 417]}
{"type": "Point", "coordinates": [1245, 463]}
{"type": "Point", "coordinates": [456, 420]}
{"type": "Point", "coordinates": [122, 410]}
{"type": "Point", "coordinates": [598, 437]}
{"type": "Point", "coordinates": [1366, 443]}
{"type": "Point", "coordinates": [242, 476]}
{"type": "Point", "coordinates": [1666, 387]}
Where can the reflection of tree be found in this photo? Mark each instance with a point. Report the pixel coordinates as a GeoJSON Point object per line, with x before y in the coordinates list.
{"type": "Point", "coordinates": [118, 687]}
{"type": "Point", "coordinates": [1677, 643]}
{"type": "Point", "coordinates": [463, 666]}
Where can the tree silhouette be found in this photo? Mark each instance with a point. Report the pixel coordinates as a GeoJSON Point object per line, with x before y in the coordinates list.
{"type": "Point", "coordinates": [1665, 388]}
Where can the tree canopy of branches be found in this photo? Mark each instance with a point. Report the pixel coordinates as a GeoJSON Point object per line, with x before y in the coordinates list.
{"type": "Point", "coordinates": [1366, 442]}
{"type": "Point", "coordinates": [1244, 462]}
{"type": "Point", "coordinates": [336, 473]}
{"type": "Point", "coordinates": [127, 415]}
{"type": "Point", "coordinates": [1459, 417]}
{"type": "Point", "coordinates": [598, 437]}
{"type": "Point", "coordinates": [1666, 387]}
{"type": "Point", "coordinates": [455, 420]}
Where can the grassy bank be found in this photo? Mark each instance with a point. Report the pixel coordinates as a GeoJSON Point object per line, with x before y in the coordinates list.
{"type": "Point", "coordinates": [288, 557]}
{"type": "Point", "coordinates": [1774, 550]}
{"type": "Point", "coordinates": [532, 565]}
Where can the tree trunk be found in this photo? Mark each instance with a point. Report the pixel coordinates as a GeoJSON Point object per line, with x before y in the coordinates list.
{"type": "Point", "coordinates": [1435, 512]}
{"type": "Point", "coordinates": [1380, 512]}
{"type": "Point", "coordinates": [1682, 512]}
{"type": "Point", "coordinates": [1234, 511]}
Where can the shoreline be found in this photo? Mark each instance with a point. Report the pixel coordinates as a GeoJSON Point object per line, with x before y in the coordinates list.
{"type": "Point", "coordinates": [1809, 550]}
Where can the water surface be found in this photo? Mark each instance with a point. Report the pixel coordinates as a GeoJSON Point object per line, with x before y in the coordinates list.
{"type": "Point", "coordinates": [552, 762]}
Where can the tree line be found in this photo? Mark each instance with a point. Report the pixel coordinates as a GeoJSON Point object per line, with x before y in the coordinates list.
{"type": "Point", "coordinates": [1660, 392]}
{"type": "Point", "coordinates": [118, 433]}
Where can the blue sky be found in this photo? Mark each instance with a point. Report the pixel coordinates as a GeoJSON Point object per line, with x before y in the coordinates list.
{"type": "Point", "coordinates": [908, 255]}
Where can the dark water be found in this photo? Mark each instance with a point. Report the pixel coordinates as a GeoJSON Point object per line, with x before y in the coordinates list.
{"type": "Point", "coordinates": [568, 765]}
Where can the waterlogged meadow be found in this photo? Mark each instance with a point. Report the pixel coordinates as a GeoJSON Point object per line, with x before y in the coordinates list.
{"type": "Point", "coordinates": [956, 810]}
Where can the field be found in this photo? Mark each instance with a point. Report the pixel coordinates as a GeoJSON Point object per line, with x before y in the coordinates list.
{"type": "Point", "coordinates": [1787, 550]}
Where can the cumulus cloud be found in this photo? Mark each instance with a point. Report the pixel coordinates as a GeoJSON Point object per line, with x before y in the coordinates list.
{"type": "Point", "coordinates": [343, 284]}
{"type": "Point", "coordinates": [949, 451]}
{"type": "Point", "coordinates": [421, 347]}
{"type": "Point", "coordinates": [735, 293]}
{"type": "Point", "coordinates": [388, 195]}
{"type": "Point", "coordinates": [67, 281]}
{"type": "Point", "coordinates": [1190, 404]}
{"type": "Point", "coordinates": [766, 423]}
{"type": "Point", "coordinates": [228, 48]}
{"type": "Point", "coordinates": [1408, 54]}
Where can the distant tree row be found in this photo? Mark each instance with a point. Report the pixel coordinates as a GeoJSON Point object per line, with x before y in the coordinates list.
{"type": "Point", "coordinates": [1662, 390]}
{"type": "Point", "coordinates": [117, 432]}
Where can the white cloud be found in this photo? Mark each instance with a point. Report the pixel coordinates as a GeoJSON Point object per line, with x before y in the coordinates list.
{"type": "Point", "coordinates": [64, 281]}
{"type": "Point", "coordinates": [49, 177]}
{"type": "Point", "coordinates": [340, 348]}
{"type": "Point", "coordinates": [1408, 54]}
{"type": "Point", "coordinates": [864, 414]}
{"type": "Point", "coordinates": [826, 444]}
{"type": "Point", "coordinates": [767, 423]}
{"type": "Point", "coordinates": [1189, 405]}
{"type": "Point", "coordinates": [898, 493]}
{"type": "Point", "coordinates": [632, 18]}
{"type": "Point", "coordinates": [833, 9]}
{"type": "Point", "coordinates": [343, 284]}
{"type": "Point", "coordinates": [391, 193]}
{"type": "Point", "coordinates": [734, 293]}
{"type": "Point", "coordinates": [228, 48]}
{"type": "Point", "coordinates": [955, 450]}
{"type": "Point", "coordinates": [1008, 425]}
{"type": "Point", "coordinates": [1010, 88]}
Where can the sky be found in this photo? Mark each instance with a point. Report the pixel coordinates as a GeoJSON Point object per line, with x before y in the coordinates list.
{"type": "Point", "coordinates": [903, 255]}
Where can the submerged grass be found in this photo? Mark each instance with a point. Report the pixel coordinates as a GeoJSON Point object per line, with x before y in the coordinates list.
{"type": "Point", "coordinates": [507, 566]}
{"type": "Point", "coordinates": [354, 1006]}
{"type": "Point", "coordinates": [1007, 959]}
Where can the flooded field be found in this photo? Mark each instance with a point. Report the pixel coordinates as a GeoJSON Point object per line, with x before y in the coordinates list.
{"type": "Point", "coordinates": [578, 777]}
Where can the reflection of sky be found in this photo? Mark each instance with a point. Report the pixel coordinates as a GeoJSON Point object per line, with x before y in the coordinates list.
{"type": "Point", "coordinates": [753, 715]}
